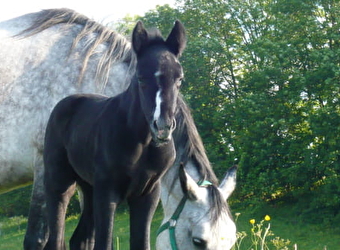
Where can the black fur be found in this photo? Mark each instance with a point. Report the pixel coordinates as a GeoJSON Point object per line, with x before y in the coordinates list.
{"type": "Point", "coordinates": [114, 149]}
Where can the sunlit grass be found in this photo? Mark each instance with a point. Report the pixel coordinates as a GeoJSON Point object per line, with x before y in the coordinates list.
{"type": "Point", "coordinates": [260, 237]}
{"type": "Point", "coordinates": [270, 232]}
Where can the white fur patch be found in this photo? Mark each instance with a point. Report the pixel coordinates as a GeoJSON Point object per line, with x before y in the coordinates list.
{"type": "Point", "coordinates": [157, 112]}
{"type": "Point", "coordinates": [158, 73]}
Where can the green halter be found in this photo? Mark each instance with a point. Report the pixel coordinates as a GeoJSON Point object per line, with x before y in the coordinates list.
{"type": "Point", "coordinates": [171, 224]}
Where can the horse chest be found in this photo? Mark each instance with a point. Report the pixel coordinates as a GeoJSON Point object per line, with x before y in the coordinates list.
{"type": "Point", "coordinates": [111, 161]}
{"type": "Point", "coordinates": [150, 167]}
{"type": "Point", "coordinates": [139, 158]}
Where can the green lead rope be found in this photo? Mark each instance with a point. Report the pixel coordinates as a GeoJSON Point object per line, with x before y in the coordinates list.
{"type": "Point", "coordinates": [171, 224]}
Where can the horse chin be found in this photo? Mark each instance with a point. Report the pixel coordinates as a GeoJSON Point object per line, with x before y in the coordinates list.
{"type": "Point", "coordinates": [161, 136]}
{"type": "Point", "coordinates": [160, 141]}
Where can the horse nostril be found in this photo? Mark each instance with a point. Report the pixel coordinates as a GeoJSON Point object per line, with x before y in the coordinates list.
{"type": "Point", "coordinates": [155, 125]}
{"type": "Point", "coordinates": [173, 127]}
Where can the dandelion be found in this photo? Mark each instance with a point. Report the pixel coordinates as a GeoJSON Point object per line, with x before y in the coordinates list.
{"type": "Point", "coordinates": [236, 216]}
{"type": "Point", "coordinates": [259, 233]}
{"type": "Point", "coordinates": [267, 218]}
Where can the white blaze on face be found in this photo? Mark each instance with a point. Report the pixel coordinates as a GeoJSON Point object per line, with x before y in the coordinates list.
{"type": "Point", "coordinates": [158, 100]}
{"type": "Point", "coordinates": [157, 113]}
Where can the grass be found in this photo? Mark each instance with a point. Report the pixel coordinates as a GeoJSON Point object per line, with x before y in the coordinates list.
{"type": "Point", "coordinates": [287, 226]}
{"type": "Point", "coordinates": [12, 230]}
{"type": "Point", "coordinates": [306, 236]}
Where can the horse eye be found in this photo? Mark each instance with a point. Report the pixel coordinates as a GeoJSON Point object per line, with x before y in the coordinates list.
{"type": "Point", "coordinates": [179, 83]}
{"type": "Point", "coordinates": [199, 243]}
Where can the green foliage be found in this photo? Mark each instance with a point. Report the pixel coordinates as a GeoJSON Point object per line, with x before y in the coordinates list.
{"type": "Point", "coordinates": [262, 79]}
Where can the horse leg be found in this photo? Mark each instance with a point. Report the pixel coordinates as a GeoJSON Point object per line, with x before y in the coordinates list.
{"type": "Point", "coordinates": [57, 201]}
{"type": "Point", "coordinates": [37, 230]}
{"type": "Point", "coordinates": [83, 236]}
{"type": "Point", "coordinates": [142, 209]}
{"type": "Point", "coordinates": [106, 199]}
{"type": "Point", "coordinates": [60, 186]}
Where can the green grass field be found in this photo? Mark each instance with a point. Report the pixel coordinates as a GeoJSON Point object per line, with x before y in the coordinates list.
{"type": "Point", "coordinates": [12, 230]}
{"type": "Point", "coordinates": [306, 236]}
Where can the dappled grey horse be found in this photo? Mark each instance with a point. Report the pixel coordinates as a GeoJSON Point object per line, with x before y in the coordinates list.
{"type": "Point", "coordinates": [46, 56]}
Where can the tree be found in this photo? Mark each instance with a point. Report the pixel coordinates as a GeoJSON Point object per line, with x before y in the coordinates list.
{"type": "Point", "coordinates": [262, 79]}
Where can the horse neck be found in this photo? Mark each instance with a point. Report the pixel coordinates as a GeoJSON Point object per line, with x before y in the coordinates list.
{"type": "Point", "coordinates": [171, 191]}
{"type": "Point", "coordinates": [129, 101]}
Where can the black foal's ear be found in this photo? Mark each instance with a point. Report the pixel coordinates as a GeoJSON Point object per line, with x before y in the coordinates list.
{"type": "Point", "coordinates": [177, 40]}
{"type": "Point", "coordinates": [139, 37]}
{"type": "Point", "coordinates": [189, 186]}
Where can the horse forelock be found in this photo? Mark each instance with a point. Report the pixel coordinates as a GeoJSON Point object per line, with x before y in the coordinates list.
{"type": "Point", "coordinates": [217, 204]}
{"type": "Point", "coordinates": [93, 35]}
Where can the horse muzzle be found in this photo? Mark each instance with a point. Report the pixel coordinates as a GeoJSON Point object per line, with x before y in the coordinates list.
{"type": "Point", "coordinates": [161, 131]}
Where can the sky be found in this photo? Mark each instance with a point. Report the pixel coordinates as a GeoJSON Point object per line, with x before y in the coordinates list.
{"type": "Point", "coordinates": [100, 10]}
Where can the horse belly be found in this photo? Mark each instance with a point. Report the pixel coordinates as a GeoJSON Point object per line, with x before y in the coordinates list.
{"type": "Point", "coordinates": [18, 150]}
{"type": "Point", "coordinates": [82, 165]}
{"type": "Point", "coordinates": [21, 139]}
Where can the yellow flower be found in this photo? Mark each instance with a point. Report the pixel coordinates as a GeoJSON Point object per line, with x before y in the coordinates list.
{"type": "Point", "coordinates": [267, 218]}
{"type": "Point", "coordinates": [252, 221]}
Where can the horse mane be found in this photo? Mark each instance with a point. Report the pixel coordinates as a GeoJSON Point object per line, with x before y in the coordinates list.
{"type": "Point", "coordinates": [186, 133]}
{"type": "Point", "coordinates": [118, 47]}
